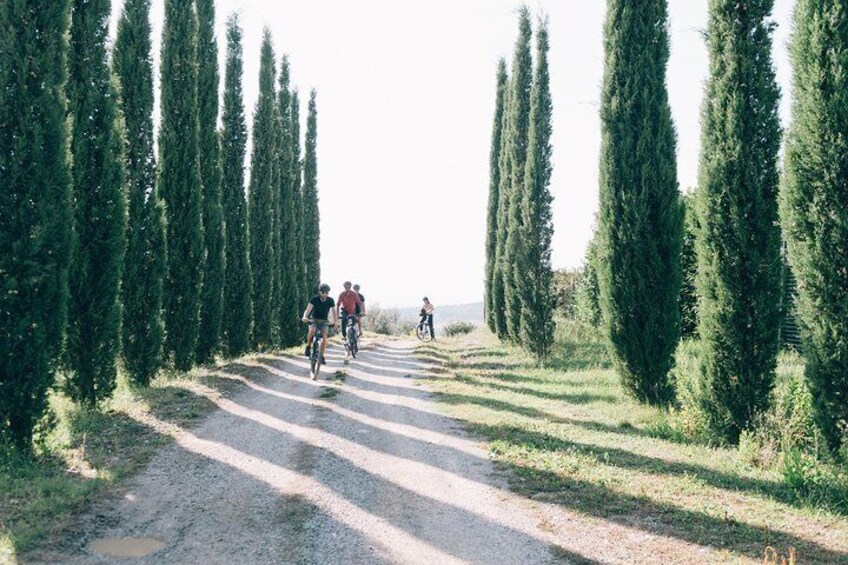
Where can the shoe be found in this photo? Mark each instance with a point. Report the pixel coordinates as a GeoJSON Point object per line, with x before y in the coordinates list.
{"type": "Point", "coordinates": [323, 361]}
{"type": "Point", "coordinates": [308, 351]}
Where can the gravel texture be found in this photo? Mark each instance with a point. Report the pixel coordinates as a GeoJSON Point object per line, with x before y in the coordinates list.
{"type": "Point", "coordinates": [358, 467]}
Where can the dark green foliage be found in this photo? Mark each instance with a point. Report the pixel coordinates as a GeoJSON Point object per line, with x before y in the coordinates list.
{"type": "Point", "coordinates": [290, 300]}
{"type": "Point", "coordinates": [297, 184]}
{"type": "Point", "coordinates": [144, 268]}
{"type": "Point", "coordinates": [35, 209]}
{"type": "Point", "coordinates": [100, 208]}
{"type": "Point", "coordinates": [498, 310]}
{"type": "Point", "coordinates": [212, 297]}
{"type": "Point", "coordinates": [689, 269]}
{"type": "Point", "coordinates": [179, 181]}
{"type": "Point", "coordinates": [517, 140]}
{"type": "Point", "coordinates": [587, 307]}
{"type": "Point", "coordinates": [494, 185]}
{"type": "Point", "coordinates": [262, 189]}
{"type": "Point", "coordinates": [641, 218]}
{"type": "Point", "coordinates": [813, 204]}
{"type": "Point", "coordinates": [532, 275]}
{"type": "Point", "coordinates": [312, 229]}
{"type": "Point", "coordinates": [238, 306]}
{"type": "Point", "coordinates": [738, 241]}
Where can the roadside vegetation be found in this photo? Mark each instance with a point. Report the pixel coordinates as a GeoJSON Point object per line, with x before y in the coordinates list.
{"type": "Point", "coordinates": [568, 434]}
{"type": "Point", "coordinates": [81, 453]}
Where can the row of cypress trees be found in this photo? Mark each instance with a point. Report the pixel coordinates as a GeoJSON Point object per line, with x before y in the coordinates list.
{"type": "Point", "coordinates": [519, 294]}
{"type": "Point", "coordinates": [109, 256]}
{"type": "Point", "coordinates": [736, 214]}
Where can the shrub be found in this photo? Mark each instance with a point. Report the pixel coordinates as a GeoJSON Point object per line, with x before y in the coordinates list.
{"type": "Point", "coordinates": [459, 328]}
{"type": "Point", "coordinates": [565, 286]}
{"type": "Point", "coordinates": [386, 322]}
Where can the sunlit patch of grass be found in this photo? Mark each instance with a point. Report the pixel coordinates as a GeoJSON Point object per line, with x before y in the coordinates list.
{"type": "Point", "coordinates": [567, 434]}
{"type": "Point", "coordinates": [86, 452]}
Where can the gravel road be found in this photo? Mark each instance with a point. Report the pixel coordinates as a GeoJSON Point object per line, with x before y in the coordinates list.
{"type": "Point", "coordinates": [358, 467]}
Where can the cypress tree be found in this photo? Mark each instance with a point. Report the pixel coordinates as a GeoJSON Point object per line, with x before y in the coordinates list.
{"type": "Point", "coordinates": [813, 211]}
{"type": "Point", "coordinates": [533, 272]}
{"type": "Point", "coordinates": [212, 297]}
{"type": "Point", "coordinates": [519, 128]}
{"type": "Point", "coordinates": [144, 270]}
{"type": "Point", "coordinates": [689, 269]}
{"type": "Point", "coordinates": [504, 185]}
{"type": "Point", "coordinates": [494, 185]}
{"type": "Point", "coordinates": [297, 189]}
{"type": "Point", "coordinates": [262, 199]}
{"type": "Point", "coordinates": [179, 181]}
{"type": "Point", "coordinates": [738, 242]}
{"type": "Point", "coordinates": [641, 215]}
{"type": "Point", "coordinates": [97, 146]}
{"type": "Point", "coordinates": [311, 218]}
{"type": "Point", "coordinates": [35, 209]}
{"type": "Point", "coordinates": [288, 234]}
{"type": "Point", "coordinates": [238, 307]}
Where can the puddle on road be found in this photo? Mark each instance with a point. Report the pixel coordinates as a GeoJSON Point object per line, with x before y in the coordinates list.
{"type": "Point", "coordinates": [126, 547]}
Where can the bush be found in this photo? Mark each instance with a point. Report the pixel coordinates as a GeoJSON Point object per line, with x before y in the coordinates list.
{"type": "Point", "coordinates": [565, 285]}
{"type": "Point", "coordinates": [459, 328]}
{"type": "Point", "coordinates": [386, 322]}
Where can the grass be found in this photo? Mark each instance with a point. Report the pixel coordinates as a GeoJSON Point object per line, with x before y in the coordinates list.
{"type": "Point", "coordinates": [87, 452]}
{"type": "Point", "coordinates": [567, 434]}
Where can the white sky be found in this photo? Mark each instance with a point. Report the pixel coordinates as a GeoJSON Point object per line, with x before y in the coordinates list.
{"type": "Point", "coordinates": [406, 94]}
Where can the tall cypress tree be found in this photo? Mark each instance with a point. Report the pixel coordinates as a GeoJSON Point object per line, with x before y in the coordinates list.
{"type": "Point", "coordinates": [813, 211]}
{"type": "Point", "coordinates": [262, 188]}
{"type": "Point", "coordinates": [97, 146]}
{"type": "Point", "coordinates": [179, 181]}
{"type": "Point", "coordinates": [533, 271]}
{"type": "Point", "coordinates": [494, 185]}
{"type": "Point", "coordinates": [518, 138]}
{"type": "Point", "coordinates": [144, 270]}
{"type": "Point", "coordinates": [35, 209]}
{"type": "Point", "coordinates": [297, 189]}
{"type": "Point", "coordinates": [504, 185]}
{"type": "Point", "coordinates": [238, 306]}
{"type": "Point", "coordinates": [289, 242]}
{"type": "Point", "coordinates": [212, 297]}
{"type": "Point", "coordinates": [311, 218]}
{"type": "Point", "coordinates": [738, 242]}
{"type": "Point", "coordinates": [641, 216]}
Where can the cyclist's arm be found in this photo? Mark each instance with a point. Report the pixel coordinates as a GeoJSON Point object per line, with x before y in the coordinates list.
{"type": "Point", "coordinates": [307, 312]}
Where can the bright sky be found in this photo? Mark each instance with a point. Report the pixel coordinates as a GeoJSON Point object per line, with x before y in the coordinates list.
{"type": "Point", "coordinates": [406, 94]}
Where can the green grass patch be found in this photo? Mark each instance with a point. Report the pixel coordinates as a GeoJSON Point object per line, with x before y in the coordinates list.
{"type": "Point", "coordinates": [567, 434]}
{"type": "Point", "coordinates": [86, 452]}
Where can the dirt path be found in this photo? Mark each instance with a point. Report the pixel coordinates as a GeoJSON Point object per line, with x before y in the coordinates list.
{"type": "Point", "coordinates": [288, 473]}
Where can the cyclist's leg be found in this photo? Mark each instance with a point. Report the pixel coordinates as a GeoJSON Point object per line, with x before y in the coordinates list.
{"type": "Point", "coordinates": [344, 326]}
{"type": "Point", "coordinates": [325, 330]}
{"type": "Point", "coordinates": [430, 323]}
{"type": "Point", "coordinates": [309, 338]}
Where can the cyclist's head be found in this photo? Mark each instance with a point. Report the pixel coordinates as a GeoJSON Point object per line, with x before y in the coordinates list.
{"type": "Point", "coordinates": [324, 288]}
{"type": "Point", "coordinates": [356, 287]}
{"type": "Point", "coordinates": [347, 285]}
{"type": "Point", "coordinates": [425, 299]}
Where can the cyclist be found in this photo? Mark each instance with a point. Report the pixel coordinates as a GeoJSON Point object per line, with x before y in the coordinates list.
{"type": "Point", "coordinates": [426, 314]}
{"type": "Point", "coordinates": [359, 311]}
{"type": "Point", "coordinates": [319, 309]}
{"type": "Point", "coordinates": [348, 303]}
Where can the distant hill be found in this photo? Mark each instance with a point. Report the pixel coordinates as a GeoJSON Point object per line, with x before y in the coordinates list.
{"type": "Point", "coordinates": [446, 315]}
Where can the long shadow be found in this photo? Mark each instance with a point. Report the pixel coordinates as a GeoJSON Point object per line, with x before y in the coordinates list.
{"type": "Point", "coordinates": [666, 519]}
{"type": "Point", "coordinates": [628, 460]}
{"type": "Point", "coordinates": [574, 398]}
{"type": "Point", "coordinates": [358, 486]}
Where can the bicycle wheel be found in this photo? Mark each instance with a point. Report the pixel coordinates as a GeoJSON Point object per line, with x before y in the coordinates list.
{"type": "Point", "coordinates": [315, 360]}
{"type": "Point", "coordinates": [423, 332]}
{"type": "Point", "coordinates": [352, 344]}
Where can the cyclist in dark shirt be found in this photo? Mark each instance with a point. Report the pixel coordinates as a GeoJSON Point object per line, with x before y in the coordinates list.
{"type": "Point", "coordinates": [318, 310]}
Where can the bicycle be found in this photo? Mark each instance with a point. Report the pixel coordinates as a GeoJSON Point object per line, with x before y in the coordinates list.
{"type": "Point", "coordinates": [315, 352]}
{"type": "Point", "coordinates": [351, 337]}
{"type": "Point", "coordinates": [423, 330]}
